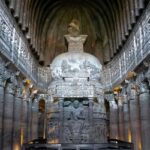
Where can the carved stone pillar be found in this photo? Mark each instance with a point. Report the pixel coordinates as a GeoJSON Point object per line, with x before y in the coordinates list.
{"type": "Point", "coordinates": [121, 118]}
{"type": "Point", "coordinates": [17, 119]}
{"type": "Point", "coordinates": [8, 116]}
{"type": "Point", "coordinates": [113, 119]}
{"type": "Point", "coordinates": [91, 118]}
{"type": "Point", "coordinates": [134, 116]}
{"type": "Point", "coordinates": [61, 119]}
{"type": "Point", "coordinates": [34, 123]}
{"type": "Point", "coordinates": [29, 118]}
{"type": "Point", "coordinates": [144, 99]}
{"type": "Point", "coordinates": [1, 107]}
{"type": "Point", "coordinates": [127, 130]}
{"type": "Point", "coordinates": [24, 121]}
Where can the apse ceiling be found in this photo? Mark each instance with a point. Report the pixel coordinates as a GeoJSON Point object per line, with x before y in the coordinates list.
{"type": "Point", "coordinates": [107, 23]}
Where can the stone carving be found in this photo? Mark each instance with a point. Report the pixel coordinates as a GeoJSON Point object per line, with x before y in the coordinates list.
{"type": "Point", "coordinates": [77, 74]}
{"type": "Point", "coordinates": [147, 75]}
{"type": "Point", "coordinates": [19, 92]}
{"type": "Point", "coordinates": [76, 123]}
{"type": "Point", "coordinates": [142, 83]}
{"type": "Point", "coordinates": [74, 28]}
{"type": "Point", "coordinates": [133, 52]}
{"type": "Point", "coordinates": [132, 89]}
{"type": "Point", "coordinates": [13, 45]}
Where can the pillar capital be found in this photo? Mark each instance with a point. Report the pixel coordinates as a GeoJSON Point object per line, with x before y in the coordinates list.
{"type": "Point", "coordinates": [147, 75]}
{"type": "Point", "coordinates": [19, 92]}
{"type": "Point", "coordinates": [120, 100]}
{"type": "Point", "coordinates": [132, 90]}
{"type": "Point", "coordinates": [2, 81]}
{"type": "Point", "coordinates": [142, 83]}
{"type": "Point", "coordinates": [113, 104]}
{"type": "Point", "coordinates": [10, 88]}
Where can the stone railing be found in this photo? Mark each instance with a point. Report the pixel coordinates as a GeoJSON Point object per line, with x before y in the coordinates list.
{"type": "Point", "coordinates": [44, 76]}
{"type": "Point", "coordinates": [15, 47]}
{"type": "Point", "coordinates": [135, 50]}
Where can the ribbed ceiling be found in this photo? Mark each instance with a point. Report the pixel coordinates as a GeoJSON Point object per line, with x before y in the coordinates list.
{"type": "Point", "coordinates": [107, 23]}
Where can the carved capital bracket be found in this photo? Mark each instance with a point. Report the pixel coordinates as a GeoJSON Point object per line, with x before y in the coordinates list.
{"type": "Point", "coordinates": [10, 88]}
{"type": "Point", "coordinates": [142, 83]}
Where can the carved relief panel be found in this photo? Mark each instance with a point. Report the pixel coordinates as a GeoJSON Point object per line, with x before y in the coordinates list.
{"type": "Point", "coordinates": [76, 121]}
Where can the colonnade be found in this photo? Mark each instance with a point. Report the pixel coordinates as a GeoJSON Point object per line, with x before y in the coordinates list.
{"type": "Point", "coordinates": [130, 111]}
{"type": "Point", "coordinates": [18, 110]}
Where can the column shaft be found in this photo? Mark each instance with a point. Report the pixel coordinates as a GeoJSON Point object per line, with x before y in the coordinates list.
{"type": "Point", "coordinates": [35, 119]}
{"type": "Point", "coordinates": [61, 109]}
{"type": "Point", "coordinates": [1, 111]}
{"type": "Point", "coordinates": [17, 123]}
{"type": "Point", "coordinates": [29, 119]}
{"type": "Point", "coordinates": [135, 122]}
{"type": "Point", "coordinates": [24, 122]}
{"type": "Point", "coordinates": [113, 118]}
{"type": "Point", "coordinates": [145, 119]}
{"type": "Point", "coordinates": [127, 131]}
{"type": "Point", "coordinates": [121, 123]}
{"type": "Point", "coordinates": [8, 117]}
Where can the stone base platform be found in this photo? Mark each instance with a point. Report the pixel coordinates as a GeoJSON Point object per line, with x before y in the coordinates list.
{"type": "Point", "coordinates": [112, 144]}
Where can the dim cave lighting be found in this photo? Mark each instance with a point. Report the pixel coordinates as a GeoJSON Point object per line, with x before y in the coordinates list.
{"type": "Point", "coordinates": [129, 136]}
{"type": "Point", "coordinates": [131, 74]}
{"type": "Point", "coordinates": [55, 141]}
{"type": "Point", "coordinates": [30, 86]}
{"type": "Point", "coordinates": [21, 136]}
{"type": "Point", "coordinates": [34, 91]}
{"type": "Point", "coordinates": [17, 147]}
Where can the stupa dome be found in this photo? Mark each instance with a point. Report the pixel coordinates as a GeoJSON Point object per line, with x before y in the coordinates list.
{"type": "Point", "coordinates": [76, 64]}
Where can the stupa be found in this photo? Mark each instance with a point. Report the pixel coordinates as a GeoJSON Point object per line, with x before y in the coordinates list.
{"type": "Point", "coordinates": [77, 112]}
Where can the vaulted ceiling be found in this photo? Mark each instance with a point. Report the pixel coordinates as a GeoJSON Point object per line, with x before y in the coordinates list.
{"type": "Point", "coordinates": [108, 24]}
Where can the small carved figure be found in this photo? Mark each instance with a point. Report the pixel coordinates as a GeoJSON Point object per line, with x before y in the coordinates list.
{"type": "Point", "coordinates": [75, 122]}
{"type": "Point", "coordinates": [74, 28]}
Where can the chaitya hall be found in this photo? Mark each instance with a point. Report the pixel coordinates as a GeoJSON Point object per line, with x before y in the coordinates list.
{"type": "Point", "coordinates": [74, 74]}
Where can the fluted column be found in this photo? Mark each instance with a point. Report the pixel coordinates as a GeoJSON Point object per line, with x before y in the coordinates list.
{"type": "Point", "coordinates": [144, 99]}
{"type": "Point", "coordinates": [8, 116]}
{"type": "Point", "coordinates": [17, 119]}
{"type": "Point", "coordinates": [34, 128]}
{"type": "Point", "coordinates": [134, 116]}
{"type": "Point", "coordinates": [61, 118]}
{"type": "Point", "coordinates": [91, 118]}
{"type": "Point", "coordinates": [121, 118]}
{"type": "Point", "coordinates": [127, 130]}
{"type": "Point", "coordinates": [113, 118]}
{"type": "Point", "coordinates": [24, 120]}
{"type": "Point", "coordinates": [29, 118]}
{"type": "Point", "coordinates": [1, 107]}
